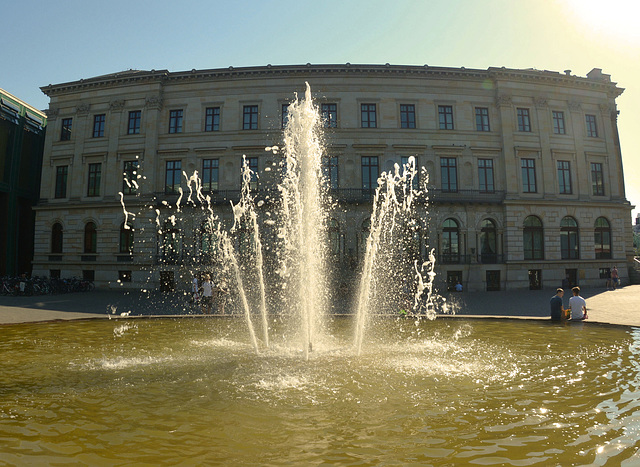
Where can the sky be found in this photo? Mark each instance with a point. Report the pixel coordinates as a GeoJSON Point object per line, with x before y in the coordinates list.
{"type": "Point", "coordinates": [50, 42]}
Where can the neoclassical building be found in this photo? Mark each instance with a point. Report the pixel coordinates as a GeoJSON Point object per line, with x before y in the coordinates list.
{"type": "Point", "coordinates": [526, 183]}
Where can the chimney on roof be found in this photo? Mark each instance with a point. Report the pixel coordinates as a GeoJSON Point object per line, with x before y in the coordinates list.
{"type": "Point", "coordinates": [597, 75]}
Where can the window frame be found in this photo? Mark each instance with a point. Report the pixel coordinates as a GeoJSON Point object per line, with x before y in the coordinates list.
{"type": "Point", "coordinates": [250, 116]}
{"type": "Point", "coordinates": [57, 238]}
{"type": "Point", "coordinates": [329, 112]}
{"type": "Point", "coordinates": [534, 233]}
{"type": "Point", "coordinates": [526, 172]}
{"type": "Point", "coordinates": [66, 128]}
{"type": "Point", "coordinates": [449, 170]}
{"type": "Point", "coordinates": [482, 119]}
{"type": "Point", "coordinates": [523, 116]}
{"type": "Point", "coordinates": [445, 117]}
{"type": "Point", "coordinates": [330, 172]}
{"type": "Point", "coordinates": [173, 168]}
{"type": "Point", "coordinates": [559, 124]}
{"type": "Point", "coordinates": [129, 172]}
{"type": "Point", "coordinates": [368, 115]}
{"type": "Point", "coordinates": [597, 179]}
{"type": "Point", "coordinates": [483, 170]}
{"type": "Point", "coordinates": [176, 120]}
{"type": "Point", "coordinates": [94, 179]}
{"type": "Point", "coordinates": [569, 238]}
{"type": "Point", "coordinates": [601, 232]}
{"type": "Point", "coordinates": [62, 177]}
{"type": "Point", "coordinates": [90, 238]}
{"type": "Point", "coordinates": [592, 125]}
{"type": "Point", "coordinates": [564, 177]}
{"type": "Point", "coordinates": [212, 119]}
{"type": "Point", "coordinates": [408, 116]}
{"type": "Point", "coordinates": [99, 121]}
{"type": "Point", "coordinates": [369, 166]}
{"type": "Point", "coordinates": [134, 122]}
{"type": "Point", "coordinates": [210, 167]}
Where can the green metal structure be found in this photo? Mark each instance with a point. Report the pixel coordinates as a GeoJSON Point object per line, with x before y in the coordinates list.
{"type": "Point", "coordinates": [22, 131]}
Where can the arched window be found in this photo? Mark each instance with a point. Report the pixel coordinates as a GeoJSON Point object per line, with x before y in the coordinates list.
{"type": "Point", "coordinates": [126, 238]}
{"type": "Point", "coordinates": [569, 239]}
{"type": "Point", "coordinates": [56, 238]}
{"type": "Point", "coordinates": [533, 238]}
{"type": "Point", "coordinates": [488, 242]}
{"type": "Point", "coordinates": [334, 237]}
{"type": "Point", "coordinates": [450, 242]}
{"type": "Point", "coordinates": [90, 238]}
{"type": "Point", "coordinates": [602, 238]}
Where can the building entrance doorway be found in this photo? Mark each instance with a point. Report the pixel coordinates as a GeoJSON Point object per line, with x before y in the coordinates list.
{"type": "Point", "coordinates": [535, 279]}
{"type": "Point", "coordinates": [493, 281]}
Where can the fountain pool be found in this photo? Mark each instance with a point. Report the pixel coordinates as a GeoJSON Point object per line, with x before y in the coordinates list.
{"type": "Point", "coordinates": [443, 392]}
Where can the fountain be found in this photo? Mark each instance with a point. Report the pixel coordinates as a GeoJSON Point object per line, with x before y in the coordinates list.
{"type": "Point", "coordinates": [291, 384]}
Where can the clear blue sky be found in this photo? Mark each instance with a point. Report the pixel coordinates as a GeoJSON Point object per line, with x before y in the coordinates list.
{"type": "Point", "coordinates": [50, 42]}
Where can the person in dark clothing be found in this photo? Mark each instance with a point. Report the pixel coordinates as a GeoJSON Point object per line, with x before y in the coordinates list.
{"type": "Point", "coordinates": [557, 310]}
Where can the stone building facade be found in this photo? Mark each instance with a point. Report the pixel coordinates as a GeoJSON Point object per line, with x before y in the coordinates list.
{"type": "Point", "coordinates": [526, 183]}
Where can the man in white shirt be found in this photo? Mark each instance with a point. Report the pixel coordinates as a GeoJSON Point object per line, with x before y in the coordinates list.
{"type": "Point", "coordinates": [578, 305]}
{"type": "Point", "coordinates": [207, 294]}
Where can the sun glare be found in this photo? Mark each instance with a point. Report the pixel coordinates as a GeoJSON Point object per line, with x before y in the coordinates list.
{"type": "Point", "coordinates": [616, 19]}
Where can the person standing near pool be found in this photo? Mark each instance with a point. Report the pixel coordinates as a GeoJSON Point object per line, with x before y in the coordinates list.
{"type": "Point", "coordinates": [207, 295]}
{"type": "Point", "coordinates": [615, 278]}
{"type": "Point", "coordinates": [578, 305]}
{"type": "Point", "coordinates": [557, 310]}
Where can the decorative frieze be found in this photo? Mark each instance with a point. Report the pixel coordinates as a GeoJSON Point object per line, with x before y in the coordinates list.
{"type": "Point", "coordinates": [116, 105]}
{"type": "Point", "coordinates": [540, 102]}
{"type": "Point", "coordinates": [83, 108]}
{"type": "Point", "coordinates": [154, 102]}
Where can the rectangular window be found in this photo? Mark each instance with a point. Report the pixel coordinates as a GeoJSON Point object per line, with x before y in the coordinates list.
{"type": "Point", "coordinates": [485, 175]}
{"type": "Point", "coordinates": [370, 172]}
{"type": "Point", "coordinates": [210, 173]}
{"type": "Point", "coordinates": [597, 179]}
{"type": "Point", "coordinates": [558, 122]}
{"type": "Point", "coordinates": [65, 132]}
{"type": "Point", "coordinates": [524, 122]}
{"type": "Point", "coordinates": [212, 119]}
{"type": "Point", "coordinates": [172, 177]}
{"type": "Point", "coordinates": [62, 172]}
{"type": "Point", "coordinates": [250, 117]}
{"type": "Point", "coordinates": [449, 174]}
{"type": "Point", "coordinates": [175, 121]}
{"type": "Point", "coordinates": [330, 171]}
{"type": "Point", "coordinates": [482, 119]}
{"type": "Point", "coordinates": [368, 116]}
{"type": "Point", "coordinates": [528, 175]}
{"type": "Point", "coordinates": [285, 115]}
{"type": "Point", "coordinates": [253, 166]}
{"type": "Point", "coordinates": [93, 187]}
{"type": "Point", "coordinates": [98, 125]}
{"type": "Point", "coordinates": [407, 116]}
{"type": "Point", "coordinates": [130, 178]}
{"type": "Point", "coordinates": [445, 116]}
{"type": "Point", "coordinates": [330, 115]}
{"type": "Point", "coordinates": [564, 177]}
{"type": "Point", "coordinates": [592, 128]}
{"type": "Point", "coordinates": [135, 117]}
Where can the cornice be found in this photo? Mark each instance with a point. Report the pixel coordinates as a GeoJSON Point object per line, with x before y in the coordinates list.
{"type": "Point", "coordinates": [162, 77]}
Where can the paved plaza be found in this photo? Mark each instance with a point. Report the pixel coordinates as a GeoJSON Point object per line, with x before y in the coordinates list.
{"type": "Point", "coordinates": [619, 306]}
